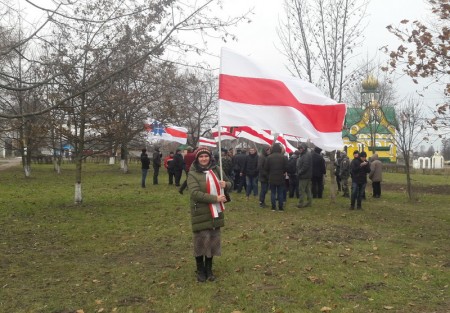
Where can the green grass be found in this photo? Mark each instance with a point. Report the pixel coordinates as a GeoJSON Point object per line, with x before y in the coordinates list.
{"type": "Point", "coordinates": [128, 249]}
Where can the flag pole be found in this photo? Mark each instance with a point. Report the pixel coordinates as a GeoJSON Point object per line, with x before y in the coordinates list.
{"type": "Point", "coordinates": [219, 125]}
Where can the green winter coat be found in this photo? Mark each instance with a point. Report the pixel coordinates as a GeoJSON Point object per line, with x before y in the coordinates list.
{"type": "Point", "coordinates": [201, 218]}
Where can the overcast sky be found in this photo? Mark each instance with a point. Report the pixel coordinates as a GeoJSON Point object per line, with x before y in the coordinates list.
{"type": "Point", "coordinates": [259, 39]}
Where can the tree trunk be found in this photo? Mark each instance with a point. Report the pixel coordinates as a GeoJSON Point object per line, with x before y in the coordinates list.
{"type": "Point", "coordinates": [124, 159]}
{"type": "Point", "coordinates": [26, 163]}
{"type": "Point", "coordinates": [112, 160]}
{"type": "Point", "coordinates": [78, 195]}
{"type": "Point", "coordinates": [27, 170]}
{"type": "Point", "coordinates": [408, 178]}
{"type": "Point", "coordinates": [57, 164]}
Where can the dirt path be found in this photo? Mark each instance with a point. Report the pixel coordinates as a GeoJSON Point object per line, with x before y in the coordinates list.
{"type": "Point", "coordinates": [8, 163]}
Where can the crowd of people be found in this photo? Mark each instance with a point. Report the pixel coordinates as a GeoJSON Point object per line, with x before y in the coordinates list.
{"type": "Point", "coordinates": [299, 175]}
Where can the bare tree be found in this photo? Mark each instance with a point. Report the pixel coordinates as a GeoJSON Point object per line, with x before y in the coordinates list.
{"type": "Point", "coordinates": [17, 71]}
{"type": "Point", "coordinates": [424, 54]}
{"type": "Point", "coordinates": [410, 123]}
{"type": "Point", "coordinates": [319, 38]}
{"type": "Point", "coordinates": [446, 148]}
{"type": "Point", "coordinates": [88, 33]}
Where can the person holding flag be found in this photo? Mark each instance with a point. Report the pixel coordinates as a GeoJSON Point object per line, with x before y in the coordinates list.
{"type": "Point", "coordinates": [207, 198]}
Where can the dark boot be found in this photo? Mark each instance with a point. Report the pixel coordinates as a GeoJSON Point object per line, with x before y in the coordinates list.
{"type": "Point", "coordinates": [201, 273]}
{"type": "Point", "coordinates": [209, 274]}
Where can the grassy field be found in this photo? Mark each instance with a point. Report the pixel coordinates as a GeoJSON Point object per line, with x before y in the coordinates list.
{"type": "Point", "coordinates": [128, 249]}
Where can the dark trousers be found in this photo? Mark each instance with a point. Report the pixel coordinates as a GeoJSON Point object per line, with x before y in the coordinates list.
{"type": "Point", "coordinates": [277, 192]}
{"type": "Point", "coordinates": [252, 185]}
{"type": "Point", "coordinates": [376, 187]}
{"type": "Point", "coordinates": [144, 176]}
{"type": "Point", "coordinates": [155, 175]}
{"type": "Point", "coordinates": [293, 186]}
{"type": "Point", "coordinates": [239, 180]}
{"type": "Point", "coordinates": [357, 194]}
{"type": "Point", "coordinates": [262, 194]}
{"type": "Point", "coordinates": [178, 174]}
{"type": "Point", "coordinates": [171, 174]}
{"type": "Point", "coordinates": [317, 187]}
{"type": "Point", "coordinates": [338, 182]}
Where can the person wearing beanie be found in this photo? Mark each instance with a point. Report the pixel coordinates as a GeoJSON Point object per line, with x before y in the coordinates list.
{"type": "Point", "coordinates": [359, 168]}
{"type": "Point", "coordinates": [207, 198]}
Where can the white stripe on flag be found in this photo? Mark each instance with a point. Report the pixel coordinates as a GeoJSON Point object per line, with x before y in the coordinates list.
{"type": "Point", "coordinates": [252, 95]}
{"type": "Point", "coordinates": [205, 142]}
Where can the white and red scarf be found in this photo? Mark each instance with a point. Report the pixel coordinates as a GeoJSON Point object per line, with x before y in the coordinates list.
{"type": "Point", "coordinates": [213, 188]}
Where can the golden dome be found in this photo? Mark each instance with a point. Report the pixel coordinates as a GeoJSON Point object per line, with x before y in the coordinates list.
{"type": "Point", "coordinates": [370, 83]}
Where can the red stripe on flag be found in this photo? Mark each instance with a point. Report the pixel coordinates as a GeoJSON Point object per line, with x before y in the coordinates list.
{"type": "Point", "coordinates": [253, 132]}
{"type": "Point", "coordinates": [175, 133]}
{"type": "Point", "coordinates": [260, 91]}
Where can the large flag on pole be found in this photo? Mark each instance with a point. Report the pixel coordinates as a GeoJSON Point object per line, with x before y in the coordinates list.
{"type": "Point", "coordinates": [251, 95]}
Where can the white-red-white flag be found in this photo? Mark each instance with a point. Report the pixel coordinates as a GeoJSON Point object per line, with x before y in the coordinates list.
{"type": "Point", "coordinates": [288, 147]}
{"type": "Point", "coordinates": [157, 131]}
{"type": "Point", "coordinates": [225, 134]}
{"type": "Point", "coordinates": [252, 95]}
{"type": "Point", "coordinates": [254, 134]}
{"type": "Point", "coordinates": [206, 142]}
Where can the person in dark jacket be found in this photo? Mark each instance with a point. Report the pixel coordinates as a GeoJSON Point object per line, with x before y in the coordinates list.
{"type": "Point", "coordinates": [263, 177]}
{"type": "Point", "coordinates": [318, 171]}
{"type": "Point", "coordinates": [188, 159]}
{"type": "Point", "coordinates": [145, 166]}
{"type": "Point", "coordinates": [178, 166]}
{"type": "Point", "coordinates": [251, 173]}
{"type": "Point", "coordinates": [276, 166]}
{"type": "Point", "coordinates": [207, 198]}
{"type": "Point", "coordinates": [238, 168]}
{"type": "Point", "coordinates": [156, 165]}
{"type": "Point", "coordinates": [292, 172]}
{"type": "Point", "coordinates": [359, 168]}
{"type": "Point", "coordinates": [304, 174]}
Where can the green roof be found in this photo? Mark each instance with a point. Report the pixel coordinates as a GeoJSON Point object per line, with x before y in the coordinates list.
{"type": "Point", "coordinates": [354, 115]}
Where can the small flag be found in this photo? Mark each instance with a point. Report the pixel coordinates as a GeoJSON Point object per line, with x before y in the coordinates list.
{"type": "Point", "coordinates": [205, 142]}
{"type": "Point", "coordinates": [225, 134]}
{"type": "Point", "coordinates": [157, 130]}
